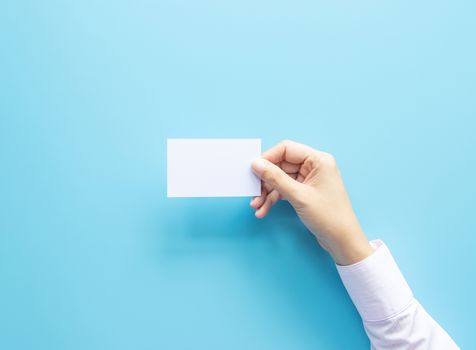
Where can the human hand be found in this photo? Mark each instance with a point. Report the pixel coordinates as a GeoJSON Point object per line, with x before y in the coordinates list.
{"type": "Point", "coordinates": [310, 180]}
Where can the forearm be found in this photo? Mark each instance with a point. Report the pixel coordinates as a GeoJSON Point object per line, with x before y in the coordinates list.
{"type": "Point", "coordinates": [393, 319]}
{"type": "Point", "coordinates": [411, 328]}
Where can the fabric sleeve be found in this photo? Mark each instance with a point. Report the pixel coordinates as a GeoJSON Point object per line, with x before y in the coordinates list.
{"type": "Point", "coordinates": [393, 319]}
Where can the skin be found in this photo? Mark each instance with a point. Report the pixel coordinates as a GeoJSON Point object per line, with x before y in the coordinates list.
{"type": "Point", "coordinates": [310, 180]}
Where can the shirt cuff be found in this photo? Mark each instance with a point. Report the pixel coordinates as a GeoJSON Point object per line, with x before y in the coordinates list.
{"type": "Point", "coordinates": [376, 285]}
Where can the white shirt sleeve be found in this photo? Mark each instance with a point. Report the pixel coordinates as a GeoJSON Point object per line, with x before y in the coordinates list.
{"type": "Point", "coordinates": [393, 319]}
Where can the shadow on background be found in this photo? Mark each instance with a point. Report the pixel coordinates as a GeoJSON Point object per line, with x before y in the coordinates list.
{"type": "Point", "coordinates": [277, 256]}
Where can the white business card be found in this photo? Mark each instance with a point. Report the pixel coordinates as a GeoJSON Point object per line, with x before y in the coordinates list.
{"type": "Point", "coordinates": [212, 167]}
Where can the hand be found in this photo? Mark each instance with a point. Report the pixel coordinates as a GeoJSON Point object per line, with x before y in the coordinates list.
{"type": "Point", "coordinates": [311, 182]}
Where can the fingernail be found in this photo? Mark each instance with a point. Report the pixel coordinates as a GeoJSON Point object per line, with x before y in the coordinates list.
{"type": "Point", "coordinates": [258, 166]}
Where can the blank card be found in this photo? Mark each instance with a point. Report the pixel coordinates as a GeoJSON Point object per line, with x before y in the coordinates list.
{"type": "Point", "coordinates": [212, 167]}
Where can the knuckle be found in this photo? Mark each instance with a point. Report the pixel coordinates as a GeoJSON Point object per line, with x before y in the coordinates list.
{"type": "Point", "coordinates": [268, 175]}
{"type": "Point", "coordinates": [328, 160]}
{"type": "Point", "coordinates": [286, 142]}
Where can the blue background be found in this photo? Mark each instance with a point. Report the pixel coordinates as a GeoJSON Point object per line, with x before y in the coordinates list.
{"type": "Point", "coordinates": [94, 256]}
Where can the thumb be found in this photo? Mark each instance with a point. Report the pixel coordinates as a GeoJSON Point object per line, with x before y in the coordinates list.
{"type": "Point", "coordinates": [275, 177]}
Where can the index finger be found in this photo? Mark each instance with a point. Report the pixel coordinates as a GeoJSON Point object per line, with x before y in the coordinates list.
{"type": "Point", "coordinates": [289, 151]}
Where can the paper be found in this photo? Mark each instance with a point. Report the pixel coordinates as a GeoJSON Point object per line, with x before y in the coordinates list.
{"type": "Point", "coordinates": [212, 167]}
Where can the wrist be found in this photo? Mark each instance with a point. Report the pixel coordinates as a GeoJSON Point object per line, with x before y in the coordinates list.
{"type": "Point", "coordinates": [350, 250]}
